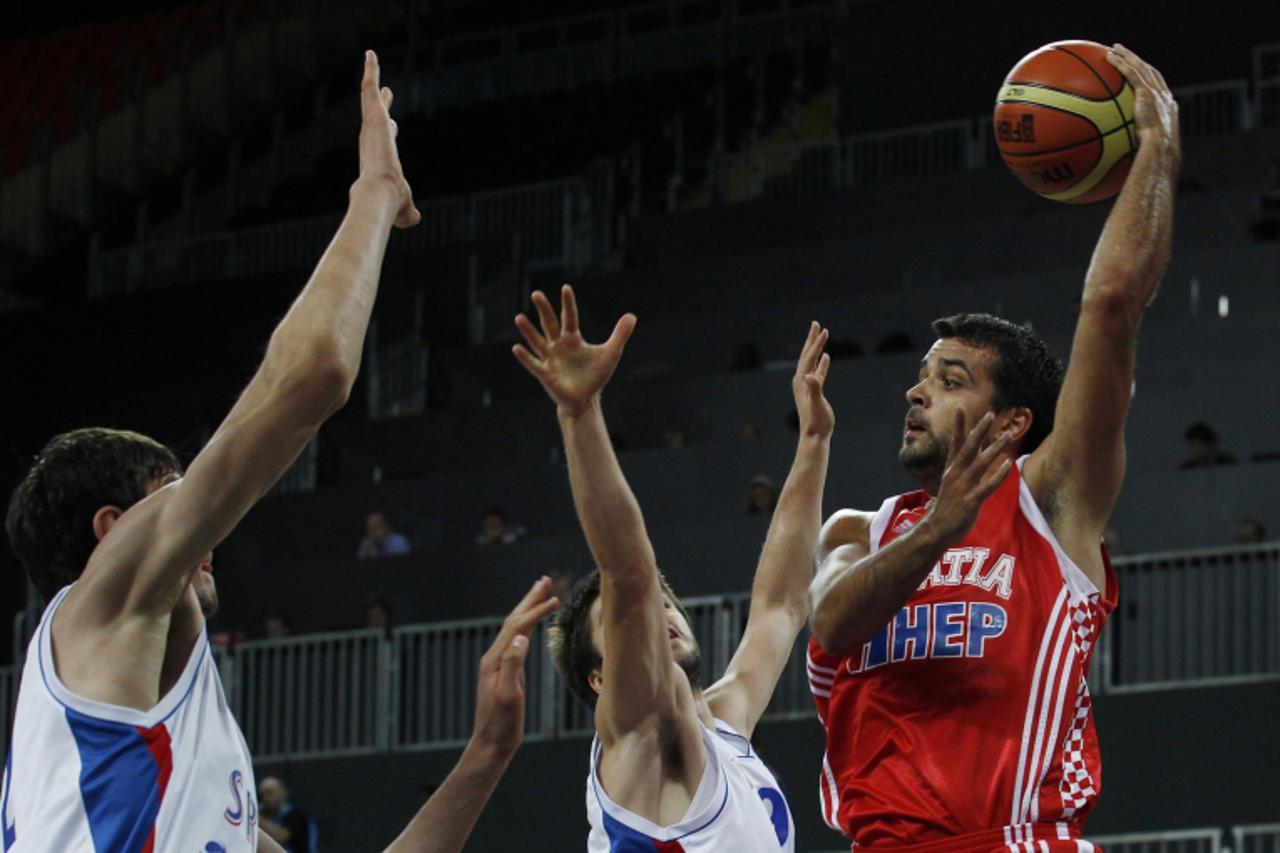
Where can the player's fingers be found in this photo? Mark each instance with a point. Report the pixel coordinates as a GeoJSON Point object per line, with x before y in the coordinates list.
{"type": "Point", "coordinates": [824, 364]}
{"type": "Point", "coordinates": [385, 95]}
{"type": "Point", "coordinates": [993, 479]}
{"type": "Point", "coordinates": [532, 336]}
{"type": "Point", "coordinates": [568, 310]}
{"type": "Point", "coordinates": [537, 593]}
{"type": "Point", "coordinates": [547, 317]}
{"type": "Point", "coordinates": [527, 360]}
{"type": "Point", "coordinates": [622, 332]}
{"type": "Point", "coordinates": [524, 621]}
{"type": "Point", "coordinates": [369, 83]}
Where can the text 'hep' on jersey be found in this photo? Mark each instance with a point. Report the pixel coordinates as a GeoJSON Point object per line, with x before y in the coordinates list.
{"type": "Point", "coordinates": [968, 716]}
{"type": "Point", "coordinates": [88, 777]}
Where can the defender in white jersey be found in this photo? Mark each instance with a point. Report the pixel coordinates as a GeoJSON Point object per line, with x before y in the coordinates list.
{"type": "Point", "coordinates": [85, 775]}
{"type": "Point", "coordinates": [672, 767]}
{"type": "Point", "coordinates": [123, 741]}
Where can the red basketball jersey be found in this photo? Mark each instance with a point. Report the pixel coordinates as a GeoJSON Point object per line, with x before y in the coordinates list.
{"type": "Point", "coordinates": [966, 720]}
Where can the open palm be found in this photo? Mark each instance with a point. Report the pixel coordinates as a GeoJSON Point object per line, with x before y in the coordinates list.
{"type": "Point", "coordinates": [572, 371]}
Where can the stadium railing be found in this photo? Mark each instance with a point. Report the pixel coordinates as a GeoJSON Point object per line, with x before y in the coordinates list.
{"type": "Point", "coordinates": [1207, 840]}
{"type": "Point", "coordinates": [557, 224]}
{"type": "Point", "coordinates": [1256, 838]}
{"type": "Point", "coordinates": [1188, 619]}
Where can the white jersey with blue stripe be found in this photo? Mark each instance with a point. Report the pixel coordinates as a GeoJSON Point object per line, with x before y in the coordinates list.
{"type": "Point", "coordinates": [738, 806]}
{"type": "Point", "coordinates": [87, 776]}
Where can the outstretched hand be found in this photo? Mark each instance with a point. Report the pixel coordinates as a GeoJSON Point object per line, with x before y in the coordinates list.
{"type": "Point", "coordinates": [500, 691]}
{"type": "Point", "coordinates": [572, 371]}
{"type": "Point", "coordinates": [972, 474]}
{"type": "Point", "coordinates": [1155, 112]}
{"type": "Point", "coordinates": [816, 415]}
{"type": "Point", "coordinates": [379, 158]}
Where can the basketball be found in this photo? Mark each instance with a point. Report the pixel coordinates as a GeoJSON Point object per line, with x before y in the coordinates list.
{"type": "Point", "coordinates": [1064, 122]}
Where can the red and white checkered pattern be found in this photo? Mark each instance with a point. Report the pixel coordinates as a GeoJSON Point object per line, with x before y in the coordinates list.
{"type": "Point", "coordinates": [1077, 786]}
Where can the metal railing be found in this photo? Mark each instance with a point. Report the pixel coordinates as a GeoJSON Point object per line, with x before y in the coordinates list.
{"type": "Point", "coordinates": [1207, 840]}
{"type": "Point", "coordinates": [321, 694]}
{"type": "Point", "coordinates": [1193, 617]}
{"type": "Point", "coordinates": [542, 217]}
{"type": "Point", "coordinates": [1256, 838]}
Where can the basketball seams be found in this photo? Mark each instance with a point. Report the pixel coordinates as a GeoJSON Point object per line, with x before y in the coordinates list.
{"type": "Point", "coordinates": [1106, 88]}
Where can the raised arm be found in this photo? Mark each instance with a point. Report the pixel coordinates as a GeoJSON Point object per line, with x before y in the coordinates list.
{"type": "Point", "coordinates": [444, 822]}
{"type": "Point", "coordinates": [856, 590]}
{"type": "Point", "coordinates": [1077, 472]}
{"type": "Point", "coordinates": [779, 592]}
{"type": "Point", "coordinates": [311, 362]}
{"type": "Point", "coordinates": [638, 672]}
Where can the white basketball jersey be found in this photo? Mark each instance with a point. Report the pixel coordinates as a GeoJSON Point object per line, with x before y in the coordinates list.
{"type": "Point", "coordinates": [88, 776]}
{"type": "Point", "coordinates": [738, 807]}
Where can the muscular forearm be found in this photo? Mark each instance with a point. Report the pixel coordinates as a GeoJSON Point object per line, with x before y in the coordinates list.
{"type": "Point", "coordinates": [607, 509]}
{"type": "Point", "coordinates": [854, 598]}
{"type": "Point", "coordinates": [325, 327]}
{"type": "Point", "coordinates": [785, 569]}
{"type": "Point", "coordinates": [1133, 251]}
{"type": "Point", "coordinates": [447, 818]}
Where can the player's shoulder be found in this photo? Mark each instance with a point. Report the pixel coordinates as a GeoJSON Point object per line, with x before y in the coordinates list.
{"type": "Point", "coordinates": [846, 527]}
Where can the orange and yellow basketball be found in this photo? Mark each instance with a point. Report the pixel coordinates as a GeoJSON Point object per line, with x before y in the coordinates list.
{"type": "Point", "coordinates": [1064, 122]}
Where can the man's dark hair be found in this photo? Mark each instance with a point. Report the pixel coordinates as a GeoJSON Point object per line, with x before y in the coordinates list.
{"type": "Point", "coordinates": [496, 512]}
{"type": "Point", "coordinates": [1026, 374]}
{"type": "Point", "coordinates": [569, 638]}
{"type": "Point", "coordinates": [50, 518]}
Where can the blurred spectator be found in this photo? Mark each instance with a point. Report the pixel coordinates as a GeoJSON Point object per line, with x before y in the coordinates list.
{"type": "Point", "coordinates": [380, 540]}
{"type": "Point", "coordinates": [277, 625]}
{"type": "Point", "coordinates": [1202, 441]}
{"type": "Point", "coordinates": [672, 438]}
{"type": "Point", "coordinates": [1250, 531]}
{"type": "Point", "coordinates": [762, 495]}
{"type": "Point", "coordinates": [749, 431]}
{"type": "Point", "coordinates": [496, 530]}
{"type": "Point", "coordinates": [1265, 225]}
{"type": "Point", "coordinates": [290, 827]}
{"type": "Point", "coordinates": [377, 613]}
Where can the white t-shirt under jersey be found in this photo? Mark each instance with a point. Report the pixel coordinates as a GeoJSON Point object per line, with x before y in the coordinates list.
{"type": "Point", "coordinates": [87, 776]}
{"type": "Point", "coordinates": [738, 806]}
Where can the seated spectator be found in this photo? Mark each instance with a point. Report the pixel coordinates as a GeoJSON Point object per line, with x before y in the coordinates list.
{"type": "Point", "coordinates": [1250, 531]}
{"type": "Point", "coordinates": [377, 613]}
{"type": "Point", "coordinates": [762, 495]}
{"type": "Point", "coordinates": [1202, 441]}
{"type": "Point", "coordinates": [496, 530]}
{"type": "Point", "coordinates": [380, 540]}
{"type": "Point", "coordinates": [277, 625]}
{"type": "Point", "coordinates": [289, 826]}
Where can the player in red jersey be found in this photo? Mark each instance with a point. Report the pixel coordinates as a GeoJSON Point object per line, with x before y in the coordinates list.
{"type": "Point", "coordinates": [953, 627]}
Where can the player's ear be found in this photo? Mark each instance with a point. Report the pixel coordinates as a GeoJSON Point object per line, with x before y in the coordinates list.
{"type": "Point", "coordinates": [596, 681]}
{"type": "Point", "coordinates": [104, 518]}
{"type": "Point", "coordinates": [1017, 421]}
